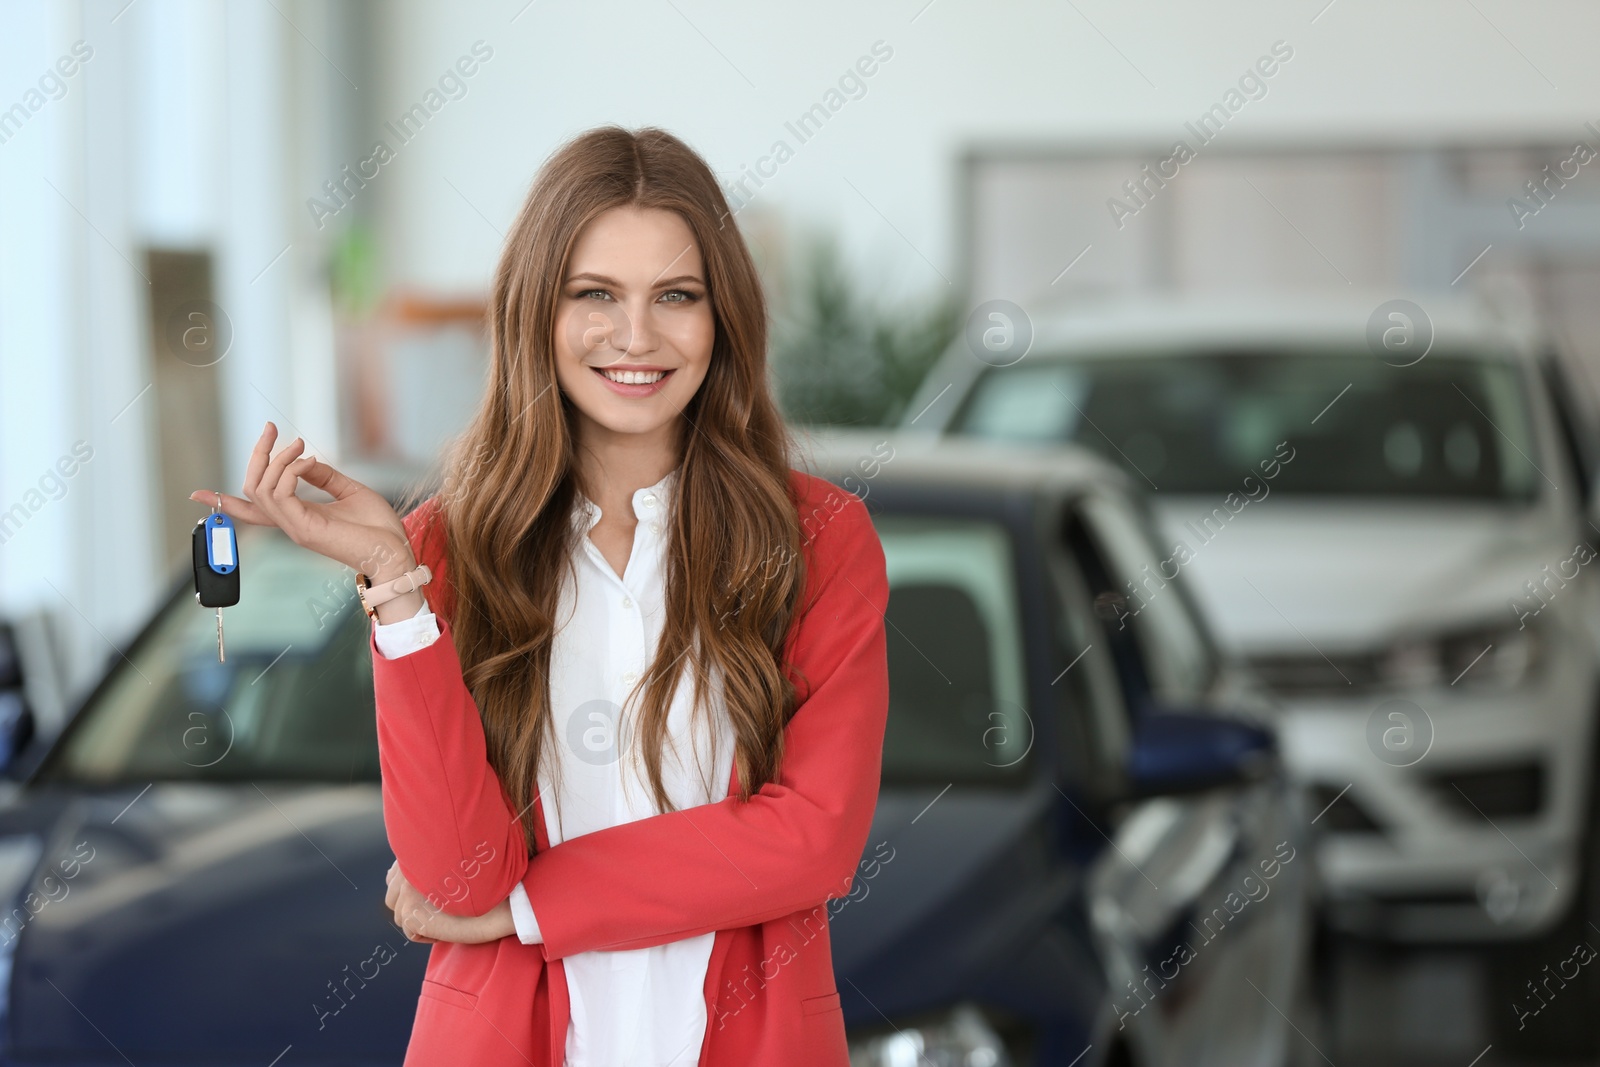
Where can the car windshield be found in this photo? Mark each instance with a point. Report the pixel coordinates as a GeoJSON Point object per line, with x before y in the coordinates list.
{"type": "Point", "coordinates": [1451, 425]}
{"type": "Point", "coordinates": [294, 700]}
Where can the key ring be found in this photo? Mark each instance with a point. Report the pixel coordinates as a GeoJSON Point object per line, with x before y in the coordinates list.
{"type": "Point", "coordinates": [218, 505]}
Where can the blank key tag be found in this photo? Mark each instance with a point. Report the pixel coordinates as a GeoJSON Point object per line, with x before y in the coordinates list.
{"type": "Point", "coordinates": [216, 567]}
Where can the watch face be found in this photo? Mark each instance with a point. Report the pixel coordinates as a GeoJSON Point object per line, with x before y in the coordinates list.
{"type": "Point", "coordinates": [363, 583]}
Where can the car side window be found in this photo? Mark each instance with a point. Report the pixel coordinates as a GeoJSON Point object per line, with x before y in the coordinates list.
{"type": "Point", "coordinates": [1170, 647]}
{"type": "Point", "coordinates": [957, 682]}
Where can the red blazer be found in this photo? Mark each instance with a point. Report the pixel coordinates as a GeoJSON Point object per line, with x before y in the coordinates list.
{"type": "Point", "coordinates": [759, 874]}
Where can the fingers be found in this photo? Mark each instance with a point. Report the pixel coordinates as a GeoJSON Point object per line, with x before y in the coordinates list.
{"type": "Point", "coordinates": [412, 911]}
{"type": "Point", "coordinates": [270, 482]}
{"type": "Point", "coordinates": [259, 456]}
{"type": "Point", "coordinates": [272, 476]}
{"type": "Point", "coordinates": [263, 474]}
{"type": "Point", "coordinates": [414, 914]}
{"type": "Point", "coordinates": [234, 507]}
{"type": "Point", "coordinates": [291, 509]}
{"type": "Point", "coordinates": [240, 507]}
{"type": "Point", "coordinates": [266, 494]}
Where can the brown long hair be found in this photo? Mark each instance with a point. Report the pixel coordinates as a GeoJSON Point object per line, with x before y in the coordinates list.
{"type": "Point", "coordinates": [734, 567]}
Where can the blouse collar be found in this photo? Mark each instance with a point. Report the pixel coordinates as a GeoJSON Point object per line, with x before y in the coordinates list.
{"type": "Point", "coordinates": [650, 503]}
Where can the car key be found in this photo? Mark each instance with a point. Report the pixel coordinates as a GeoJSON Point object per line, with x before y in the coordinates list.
{"type": "Point", "coordinates": [216, 566]}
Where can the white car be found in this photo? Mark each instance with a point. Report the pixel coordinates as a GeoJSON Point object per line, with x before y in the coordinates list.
{"type": "Point", "coordinates": [1389, 510]}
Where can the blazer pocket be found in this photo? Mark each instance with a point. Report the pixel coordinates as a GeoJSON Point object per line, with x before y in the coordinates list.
{"type": "Point", "coordinates": [449, 994]}
{"type": "Point", "coordinates": [817, 1005]}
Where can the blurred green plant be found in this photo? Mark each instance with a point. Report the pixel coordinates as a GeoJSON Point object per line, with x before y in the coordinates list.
{"type": "Point", "coordinates": [353, 270]}
{"type": "Point", "coordinates": [840, 354]}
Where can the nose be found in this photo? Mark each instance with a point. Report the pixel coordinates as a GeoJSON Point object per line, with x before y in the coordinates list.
{"type": "Point", "coordinates": [638, 334]}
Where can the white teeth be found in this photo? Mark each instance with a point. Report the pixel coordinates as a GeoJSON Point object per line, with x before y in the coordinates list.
{"type": "Point", "coordinates": [634, 377]}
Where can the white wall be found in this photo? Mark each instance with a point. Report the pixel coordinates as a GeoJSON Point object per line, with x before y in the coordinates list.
{"type": "Point", "coordinates": [70, 363]}
{"type": "Point", "coordinates": [181, 130]}
{"type": "Point", "coordinates": [726, 77]}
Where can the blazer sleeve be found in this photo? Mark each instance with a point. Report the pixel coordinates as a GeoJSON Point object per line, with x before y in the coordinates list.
{"type": "Point", "coordinates": [797, 841]}
{"type": "Point", "coordinates": [449, 821]}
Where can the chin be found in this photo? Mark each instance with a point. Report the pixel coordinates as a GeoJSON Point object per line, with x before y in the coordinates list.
{"type": "Point", "coordinates": [607, 415]}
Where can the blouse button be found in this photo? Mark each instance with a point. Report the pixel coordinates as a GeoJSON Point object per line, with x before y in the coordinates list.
{"type": "Point", "coordinates": [627, 601]}
{"type": "Point", "coordinates": [655, 527]}
{"type": "Point", "coordinates": [630, 677]}
{"type": "Point", "coordinates": [649, 501]}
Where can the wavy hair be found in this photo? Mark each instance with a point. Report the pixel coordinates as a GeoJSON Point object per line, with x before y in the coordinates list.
{"type": "Point", "coordinates": [735, 572]}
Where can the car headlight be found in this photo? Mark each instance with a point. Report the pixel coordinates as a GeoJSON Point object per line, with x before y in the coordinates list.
{"type": "Point", "coordinates": [961, 1037]}
{"type": "Point", "coordinates": [1485, 655]}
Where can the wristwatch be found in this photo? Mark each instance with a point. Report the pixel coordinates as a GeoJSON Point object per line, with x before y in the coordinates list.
{"type": "Point", "coordinates": [372, 595]}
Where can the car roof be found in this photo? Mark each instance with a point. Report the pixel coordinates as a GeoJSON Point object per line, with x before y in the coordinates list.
{"type": "Point", "coordinates": [966, 465]}
{"type": "Point", "coordinates": [1122, 326]}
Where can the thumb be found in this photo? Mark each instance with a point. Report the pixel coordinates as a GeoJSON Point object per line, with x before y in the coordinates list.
{"type": "Point", "coordinates": [325, 477]}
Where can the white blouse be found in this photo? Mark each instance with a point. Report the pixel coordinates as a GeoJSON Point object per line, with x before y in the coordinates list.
{"type": "Point", "coordinates": [636, 1007]}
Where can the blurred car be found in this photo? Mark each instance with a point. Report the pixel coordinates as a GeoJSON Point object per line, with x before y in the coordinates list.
{"type": "Point", "coordinates": [1397, 536]}
{"type": "Point", "coordinates": [195, 867]}
{"type": "Point", "coordinates": [195, 871]}
{"type": "Point", "coordinates": [1078, 805]}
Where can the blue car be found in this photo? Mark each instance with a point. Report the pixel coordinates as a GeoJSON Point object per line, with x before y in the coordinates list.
{"type": "Point", "coordinates": [1085, 849]}
{"type": "Point", "coordinates": [1084, 852]}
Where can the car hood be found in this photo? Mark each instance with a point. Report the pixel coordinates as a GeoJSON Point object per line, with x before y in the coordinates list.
{"type": "Point", "coordinates": [216, 923]}
{"type": "Point", "coordinates": [1348, 574]}
{"type": "Point", "coordinates": [953, 898]}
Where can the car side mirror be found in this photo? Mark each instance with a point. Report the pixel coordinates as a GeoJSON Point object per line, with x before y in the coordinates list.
{"type": "Point", "coordinates": [1182, 751]}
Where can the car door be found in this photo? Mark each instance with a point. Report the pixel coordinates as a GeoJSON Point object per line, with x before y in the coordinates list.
{"type": "Point", "coordinates": [1204, 918]}
{"type": "Point", "coordinates": [966, 926]}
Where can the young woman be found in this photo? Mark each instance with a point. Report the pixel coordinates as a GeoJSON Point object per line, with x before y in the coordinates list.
{"type": "Point", "coordinates": [629, 665]}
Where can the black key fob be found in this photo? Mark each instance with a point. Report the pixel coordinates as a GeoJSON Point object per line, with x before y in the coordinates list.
{"type": "Point", "coordinates": [216, 562]}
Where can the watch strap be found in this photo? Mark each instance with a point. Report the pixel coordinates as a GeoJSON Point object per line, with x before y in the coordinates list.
{"type": "Point", "coordinates": [372, 594]}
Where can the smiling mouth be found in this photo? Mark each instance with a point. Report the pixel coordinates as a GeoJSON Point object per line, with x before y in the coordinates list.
{"type": "Point", "coordinates": [632, 377]}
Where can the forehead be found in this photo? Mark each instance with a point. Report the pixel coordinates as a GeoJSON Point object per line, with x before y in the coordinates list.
{"type": "Point", "coordinates": [632, 243]}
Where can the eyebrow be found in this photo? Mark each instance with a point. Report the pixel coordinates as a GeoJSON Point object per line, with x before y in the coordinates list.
{"type": "Point", "coordinates": [604, 280]}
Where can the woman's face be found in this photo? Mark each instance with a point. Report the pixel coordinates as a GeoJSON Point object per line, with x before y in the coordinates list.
{"type": "Point", "coordinates": [634, 326]}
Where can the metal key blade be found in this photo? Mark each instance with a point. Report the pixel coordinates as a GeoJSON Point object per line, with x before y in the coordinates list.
{"type": "Point", "coordinates": [221, 658]}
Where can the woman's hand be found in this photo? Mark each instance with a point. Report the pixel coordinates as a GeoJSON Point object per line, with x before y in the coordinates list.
{"type": "Point", "coordinates": [421, 921]}
{"type": "Point", "coordinates": [359, 528]}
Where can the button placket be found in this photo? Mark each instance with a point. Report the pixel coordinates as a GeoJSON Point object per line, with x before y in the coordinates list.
{"type": "Point", "coordinates": [628, 677]}
{"type": "Point", "coordinates": [641, 555]}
